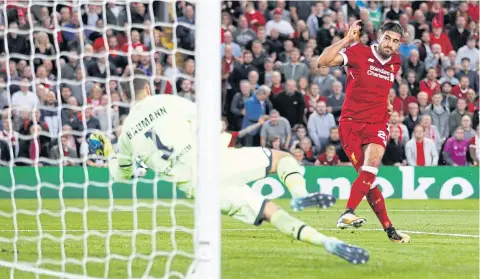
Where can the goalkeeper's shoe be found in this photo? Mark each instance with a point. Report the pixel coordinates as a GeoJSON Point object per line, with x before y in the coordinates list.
{"type": "Point", "coordinates": [352, 254]}
{"type": "Point", "coordinates": [312, 200]}
{"type": "Point", "coordinates": [99, 144]}
{"type": "Point", "coordinates": [349, 219]}
{"type": "Point", "coordinates": [396, 236]}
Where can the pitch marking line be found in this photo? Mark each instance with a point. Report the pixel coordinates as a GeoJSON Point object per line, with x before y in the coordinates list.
{"type": "Point", "coordinates": [269, 229]}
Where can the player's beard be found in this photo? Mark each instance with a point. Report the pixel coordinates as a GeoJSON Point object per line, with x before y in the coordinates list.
{"type": "Point", "coordinates": [383, 54]}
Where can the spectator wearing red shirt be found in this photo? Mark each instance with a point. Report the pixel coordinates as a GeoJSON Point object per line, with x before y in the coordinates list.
{"type": "Point", "coordinates": [439, 37]}
{"type": "Point", "coordinates": [460, 90]}
{"type": "Point", "coordinates": [430, 84]}
{"type": "Point", "coordinates": [254, 18]}
{"type": "Point", "coordinates": [135, 37]}
{"type": "Point", "coordinates": [473, 10]}
{"type": "Point", "coordinates": [312, 98]}
{"type": "Point", "coordinates": [277, 86]}
{"type": "Point", "coordinates": [404, 99]}
{"type": "Point", "coordinates": [329, 158]}
{"type": "Point", "coordinates": [420, 150]}
{"type": "Point", "coordinates": [472, 101]}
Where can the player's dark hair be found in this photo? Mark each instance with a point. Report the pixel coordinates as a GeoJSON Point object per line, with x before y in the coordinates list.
{"type": "Point", "coordinates": [140, 79]}
{"type": "Point", "coordinates": [392, 26]}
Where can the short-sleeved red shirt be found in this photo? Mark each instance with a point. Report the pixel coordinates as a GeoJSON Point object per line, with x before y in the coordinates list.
{"type": "Point", "coordinates": [369, 79]}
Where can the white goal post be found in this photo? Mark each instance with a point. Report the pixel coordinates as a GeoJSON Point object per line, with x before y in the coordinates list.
{"type": "Point", "coordinates": [52, 228]}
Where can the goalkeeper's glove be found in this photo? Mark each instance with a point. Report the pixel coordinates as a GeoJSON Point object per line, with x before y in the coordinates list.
{"type": "Point", "coordinates": [99, 144]}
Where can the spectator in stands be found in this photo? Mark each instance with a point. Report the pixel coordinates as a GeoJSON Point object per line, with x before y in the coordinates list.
{"type": "Point", "coordinates": [325, 33]}
{"type": "Point", "coordinates": [299, 155]}
{"type": "Point", "coordinates": [404, 99]}
{"type": "Point", "coordinates": [68, 70]}
{"type": "Point", "coordinates": [243, 35]}
{"type": "Point", "coordinates": [430, 84]}
{"type": "Point", "coordinates": [420, 150]}
{"type": "Point", "coordinates": [328, 158]}
{"type": "Point", "coordinates": [277, 86]}
{"type": "Point", "coordinates": [255, 107]}
{"type": "Point", "coordinates": [406, 46]}
{"type": "Point", "coordinates": [284, 27]}
{"type": "Point", "coordinates": [68, 153]}
{"type": "Point", "coordinates": [449, 76]}
{"type": "Point", "coordinates": [17, 43]}
{"type": "Point", "coordinates": [439, 37]}
{"type": "Point", "coordinates": [10, 136]}
{"type": "Point", "coordinates": [412, 83]}
{"type": "Point", "coordinates": [186, 35]}
{"type": "Point", "coordinates": [455, 118]}
{"type": "Point", "coordinates": [259, 56]}
{"type": "Point", "coordinates": [286, 55]}
{"type": "Point", "coordinates": [90, 120]}
{"type": "Point", "coordinates": [4, 94]}
{"type": "Point", "coordinates": [431, 131]}
{"type": "Point", "coordinates": [474, 148]}
{"type": "Point", "coordinates": [325, 81]}
{"type": "Point", "coordinates": [422, 99]}
{"type": "Point", "coordinates": [237, 107]}
{"type": "Point", "coordinates": [309, 152]}
{"type": "Point", "coordinates": [412, 119]}
{"type": "Point", "coordinates": [448, 100]}
{"type": "Point", "coordinates": [472, 101]}
{"type": "Point", "coordinates": [395, 150]}
{"type": "Point", "coordinates": [254, 18]}
{"type": "Point", "coordinates": [290, 103]}
{"type": "Point", "coordinates": [335, 101]}
{"type": "Point", "coordinates": [253, 78]}
{"type": "Point", "coordinates": [313, 19]}
{"type": "Point", "coordinates": [455, 149]}
{"type": "Point", "coordinates": [108, 115]}
{"type": "Point", "coordinates": [186, 90]}
{"type": "Point", "coordinates": [440, 115]}
{"type": "Point", "coordinates": [466, 71]}
{"type": "Point", "coordinates": [294, 69]}
{"type": "Point", "coordinates": [24, 99]}
{"type": "Point", "coordinates": [228, 40]}
{"type": "Point", "coordinates": [459, 34]}
{"type": "Point", "coordinates": [466, 125]}
{"type": "Point", "coordinates": [319, 124]}
{"type": "Point", "coordinates": [38, 146]}
{"type": "Point", "coordinates": [241, 71]}
{"type": "Point", "coordinates": [394, 121]}
{"type": "Point", "coordinates": [460, 90]}
{"type": "Point", "coordinates": [468, 51]}
{"type": "Point", "coordinates": [414, 64]}
{"type": "Point", "coordinates": [99, 68]}
{"type": "Point", "coordinates": [70, 114]}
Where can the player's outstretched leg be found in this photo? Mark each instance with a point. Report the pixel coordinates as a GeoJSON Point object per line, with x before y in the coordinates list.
{"type": "Point", "coordinates": [243, 204]}
{"type": "Point", "coordinates": [377, 203]}
{"type": "Point", "coordinates": [297, 229]}
{"type": "Point", "coordinates": [290, 173]}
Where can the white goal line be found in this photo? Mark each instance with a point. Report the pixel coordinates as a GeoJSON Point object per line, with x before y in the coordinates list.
{"type": "Point", "coordinates": [266, 229]}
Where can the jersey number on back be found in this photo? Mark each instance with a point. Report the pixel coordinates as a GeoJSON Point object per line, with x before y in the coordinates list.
{"type": "Point", "coordinates": [167, 152]}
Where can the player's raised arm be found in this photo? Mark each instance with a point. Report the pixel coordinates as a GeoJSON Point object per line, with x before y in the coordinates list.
{"type": "Point", "coordinates": [330, 56]}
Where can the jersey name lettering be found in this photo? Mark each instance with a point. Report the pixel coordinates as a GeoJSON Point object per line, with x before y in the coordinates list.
{"type": "Point", "coordinates": [145, 123]}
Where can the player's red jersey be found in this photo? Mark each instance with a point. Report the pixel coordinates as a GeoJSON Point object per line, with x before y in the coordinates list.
{"type": "Point", "coordinates": [369, 78]}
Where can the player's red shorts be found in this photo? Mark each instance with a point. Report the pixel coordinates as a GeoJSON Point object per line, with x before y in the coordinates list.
{"type": "Point", "coordinates": [354, 135]}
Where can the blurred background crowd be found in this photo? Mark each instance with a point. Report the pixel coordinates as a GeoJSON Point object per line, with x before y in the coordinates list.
{"type": "Point", "coordinates": [60, 68]}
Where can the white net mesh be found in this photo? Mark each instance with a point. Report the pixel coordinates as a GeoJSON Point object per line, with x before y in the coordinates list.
{"type": "Point", "coordinates": [61, 215]}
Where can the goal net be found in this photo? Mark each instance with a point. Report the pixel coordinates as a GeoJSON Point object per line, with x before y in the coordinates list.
{"type": "Point", "coordinates": [61, 214]}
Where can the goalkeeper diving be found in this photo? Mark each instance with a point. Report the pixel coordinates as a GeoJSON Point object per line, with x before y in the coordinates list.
{"type": "Point", "coordinates": [161, 131]}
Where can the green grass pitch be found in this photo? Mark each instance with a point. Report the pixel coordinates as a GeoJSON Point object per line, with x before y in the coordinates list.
{"type": "Point", "coordinates": [445, 242]}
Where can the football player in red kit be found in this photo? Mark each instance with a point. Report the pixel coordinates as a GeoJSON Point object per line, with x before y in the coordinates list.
{"type": "Point", "coordinates": [363, 124]}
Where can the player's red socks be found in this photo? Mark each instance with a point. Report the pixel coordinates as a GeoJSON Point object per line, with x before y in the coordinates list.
{"type": "Point", "coordinates": [361, 186]}
{"type": "Point", "coordinates": [377, 203]}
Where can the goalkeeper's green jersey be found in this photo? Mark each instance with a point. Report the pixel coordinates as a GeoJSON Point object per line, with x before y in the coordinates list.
{"type": "Point", "coordinates": [160, 130]}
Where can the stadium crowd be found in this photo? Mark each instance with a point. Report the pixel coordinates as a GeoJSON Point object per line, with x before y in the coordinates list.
{"type": "Point", "coordinates": [56, 84]}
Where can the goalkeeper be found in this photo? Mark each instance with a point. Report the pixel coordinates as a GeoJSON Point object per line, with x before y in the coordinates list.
{"type": "Point", "coordinates": [161, 131]}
